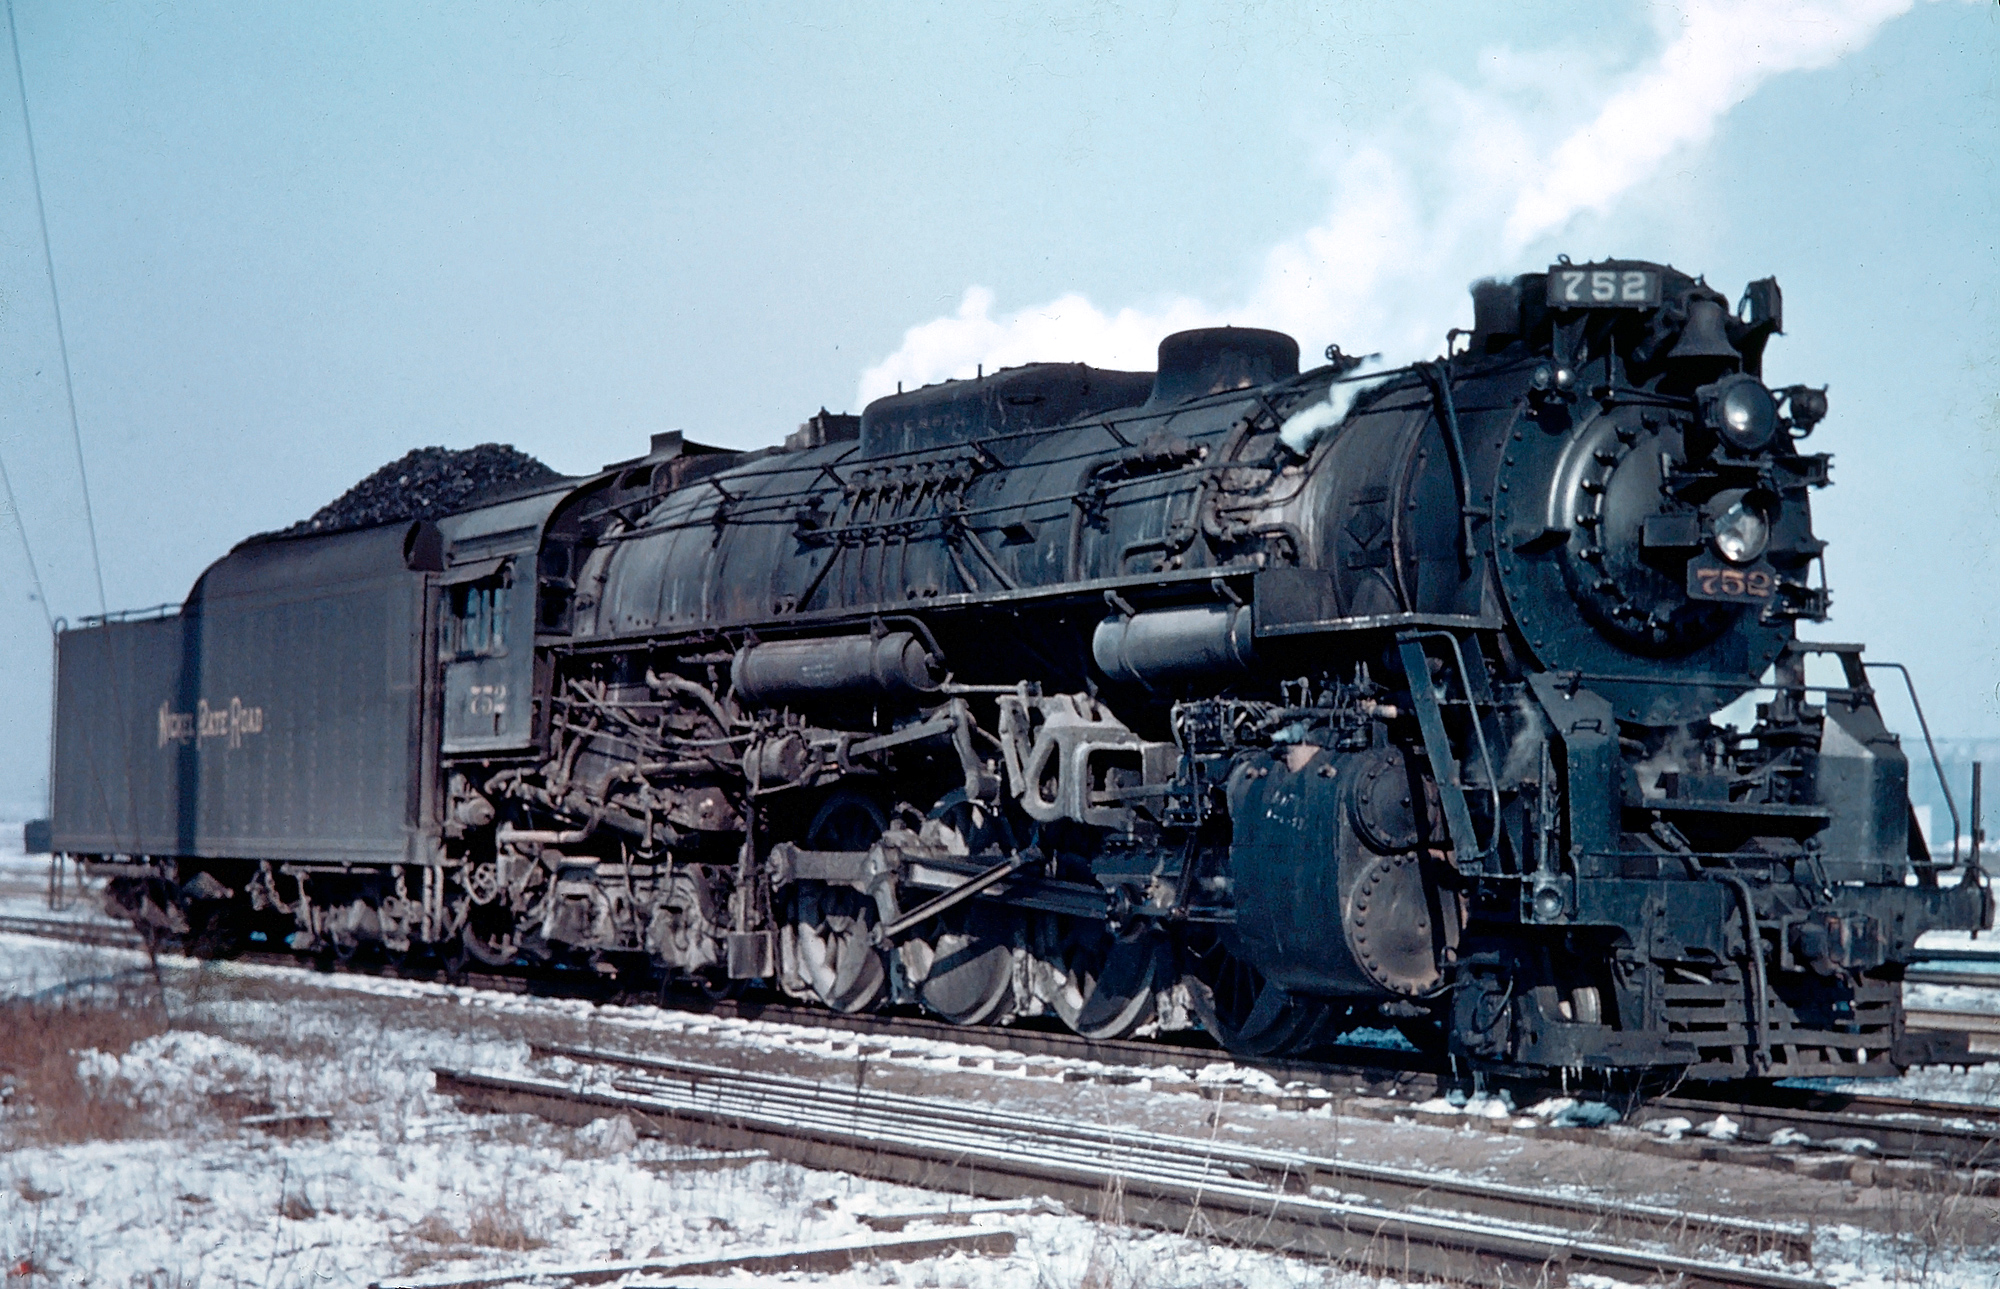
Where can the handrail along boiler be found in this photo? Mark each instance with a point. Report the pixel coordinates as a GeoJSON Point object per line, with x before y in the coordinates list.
{"type": "Point", "coordinates": [1280, 703]}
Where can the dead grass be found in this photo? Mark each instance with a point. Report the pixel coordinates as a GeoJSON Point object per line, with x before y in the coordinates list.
{"type": "Point", "coordinates": [45, 1102]}
{"type": "Point", "coordinates": [1933, 1227]}
{"type": "Point", "coordinates": [497, 1224]}
{"type": "Point", "coordinates": [433, 1229]}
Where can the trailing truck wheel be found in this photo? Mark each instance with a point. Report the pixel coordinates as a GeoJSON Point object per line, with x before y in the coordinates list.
{"type": "Point", "coordinates": [217, 933]}
{"type": "Point", "coordinates": [495, 948]}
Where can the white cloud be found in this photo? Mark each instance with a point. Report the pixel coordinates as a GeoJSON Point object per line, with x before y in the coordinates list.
{"type": "Point", "coordinates": [1491, 173]}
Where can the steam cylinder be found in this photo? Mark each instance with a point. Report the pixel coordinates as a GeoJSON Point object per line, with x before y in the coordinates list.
{"type": "Point", "coordinates": [1331, 893]}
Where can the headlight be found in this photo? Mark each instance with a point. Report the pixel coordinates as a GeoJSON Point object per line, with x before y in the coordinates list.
{"type": "Point", "coordinates": [1742, 533]}
{"type": "Point", "coordinates": [1742, 411]}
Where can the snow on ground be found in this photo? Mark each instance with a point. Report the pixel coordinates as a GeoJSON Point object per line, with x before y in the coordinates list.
{"type": "Point", "coordinates": [1986, 942]}
{"type": "Point", "coordinates": [24, 884]}
{"type": "Point", "coordinates": [1958, 998]}
{"type": "Point", "coordinates": [401, 1181]}
{"type": "Point", "coordinates": [46, 967]}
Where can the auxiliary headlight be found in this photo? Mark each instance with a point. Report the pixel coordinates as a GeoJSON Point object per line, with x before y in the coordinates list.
{"type": "Point", "coordinates": [1742, 533]}
{"type": "Point", "coordinates": [1741, 410]}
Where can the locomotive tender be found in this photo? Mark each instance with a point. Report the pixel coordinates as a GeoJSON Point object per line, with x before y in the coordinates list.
{"type": "Point", "coordinates": [1280, 704]}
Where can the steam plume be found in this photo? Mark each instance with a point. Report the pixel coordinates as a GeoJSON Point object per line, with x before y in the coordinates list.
{"type": "Point", "coordinates": [1388, 265]}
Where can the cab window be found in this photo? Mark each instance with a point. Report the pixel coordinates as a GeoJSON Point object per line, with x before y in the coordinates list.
{"type": "Point", "coordinates": [476, 624]}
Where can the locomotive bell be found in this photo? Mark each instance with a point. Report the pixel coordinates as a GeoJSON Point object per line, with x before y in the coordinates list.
{"type": "Point", "coordinates": [1705, 336]}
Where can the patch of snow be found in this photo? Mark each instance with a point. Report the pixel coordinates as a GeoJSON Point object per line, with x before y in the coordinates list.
{"type": "Point", "coordinates": [1982, 941]}
{"type": "Point", "coordinates": [1670, 1129]}
{"type": "Point", "coordinates": [1720, 1128]}
{"type": "Point", "coordinates": [1227, 1074]}
{"type": "Point", "coordinates": [403, 1182]}
{"type": "Point", "coordinates": [1568, 1112]}
{"type": "Point", "coordinates": [1851, 1145]}
{"type": "Point", "coordinates": [1973, 1086]}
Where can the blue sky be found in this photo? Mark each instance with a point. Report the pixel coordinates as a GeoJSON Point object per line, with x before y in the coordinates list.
{"type": "Point", "coordinates": [295, 241]}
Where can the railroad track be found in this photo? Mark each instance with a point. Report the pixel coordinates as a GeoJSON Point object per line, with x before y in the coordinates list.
{"type": "Point", "coordinates": [97, 934]}
{"type": "Point", "coordinates": [1360, 1069]}
{"type": "Point", "coordinates": [1948, 1134]}
{"type": "Point", "coordinates": [1382, 1220]}
{"type": "Point", "coordinates": [1969, 979]}
{"type": "Point", "coordinates": [1946, 1018]}
{"type": "Point", "coordinates": [1952, 1135]}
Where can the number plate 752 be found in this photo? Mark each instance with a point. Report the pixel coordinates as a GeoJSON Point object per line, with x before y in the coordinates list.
{"type": "Point", "coordinates": [1710, 578]}
{"type": "Point", "coordinates": [1594, 286]}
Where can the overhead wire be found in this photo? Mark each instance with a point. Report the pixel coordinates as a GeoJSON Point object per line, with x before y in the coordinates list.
{"type": "Point", "coordinates": [82, 472]}
{"type": "Point", "coordinates": [21, 527]}
{"type": "Point", "coordinates": [55, 295]}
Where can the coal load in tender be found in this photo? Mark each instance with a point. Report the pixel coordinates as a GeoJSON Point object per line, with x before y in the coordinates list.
{"type": "Point", "coordinates": [427, 483]}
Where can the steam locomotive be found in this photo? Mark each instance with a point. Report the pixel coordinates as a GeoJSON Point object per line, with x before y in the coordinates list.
{"type": "Point", "coordinates": [1279, 704]}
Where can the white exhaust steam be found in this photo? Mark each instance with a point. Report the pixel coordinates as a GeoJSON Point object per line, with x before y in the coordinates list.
{"type": "Point", "coordinates": [1303, 427]}
{"type": "Point", "coordinates": [1486, 176]}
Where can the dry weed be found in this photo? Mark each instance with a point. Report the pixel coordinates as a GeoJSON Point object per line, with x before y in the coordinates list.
{"type": "Point", "coordinates": [44, 1101]}
{"type": "Point", "coordinates": [497, 1224]}
{"type": "Point", "coordinates": [433, 1229]}
{"type": "Point", "coordinates": [436, 1241]}
{"type": "Point", "coordinates": [1934, 1227]}
{"type": "Point", "coordinates": [786, 1183]}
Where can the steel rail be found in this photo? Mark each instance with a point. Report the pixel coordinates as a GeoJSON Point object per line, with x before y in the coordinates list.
{"type": "Point", "coordinates": [1971, 979]}
{"type": "Point", "coordinates": [1938, 1132]}
{"type": "Point", "coordinates": [1947, 1018]}
{"type": "Point", "coordinates": [1881, 1107]}
{"type": "Point", "coordinates": [1216, 1203]}
{"type": "Point", "coordinates": [1358, 1068]}
{"type": "Point", "coordinates": [1355, 1068]}
{"type": "Point", "coordinates": [1377, 1183]}
{"type": "Point", "coordinates": [106, 935]}
{"type": "Point", "coordinates": [1758, 1109]}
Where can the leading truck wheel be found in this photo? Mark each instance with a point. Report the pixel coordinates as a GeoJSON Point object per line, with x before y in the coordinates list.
{"type": "Point", "coordinates": [1248, 1014]}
